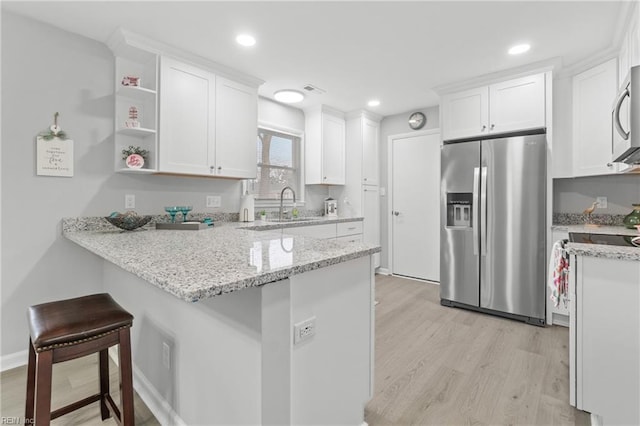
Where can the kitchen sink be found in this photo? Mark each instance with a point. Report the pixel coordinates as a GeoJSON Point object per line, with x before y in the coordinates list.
{"type": "Point", "coordinates": [297, 219]}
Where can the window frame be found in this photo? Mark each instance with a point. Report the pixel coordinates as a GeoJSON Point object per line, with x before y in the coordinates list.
{"type": "Point", "coordinates": [300, 195]}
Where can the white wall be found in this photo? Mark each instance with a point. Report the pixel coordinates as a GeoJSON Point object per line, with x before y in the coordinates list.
{"type": "Point", "coordinates": [44, 70]}
{"type": "Point", "coordinates": [394, 125]}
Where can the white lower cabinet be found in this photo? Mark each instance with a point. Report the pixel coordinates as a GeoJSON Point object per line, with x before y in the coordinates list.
{"type": "Point", "coordinates": [605, 346]}
{"type": "Point", "coordinates": [343, 231]}
{"type": "Point", "coordinates": [371, 213]}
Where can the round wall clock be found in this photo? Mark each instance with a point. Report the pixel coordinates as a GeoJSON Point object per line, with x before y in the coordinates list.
{"type": "Point", "coordinates": [417, 120]}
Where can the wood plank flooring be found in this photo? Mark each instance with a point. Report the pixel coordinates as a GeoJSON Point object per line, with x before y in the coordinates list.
{"type": "Point", "coordinates": [72, 380]}
{"type": "Point", "coordinates": [434, 366]}
{"type": "Point", "coordinates": [446, 366]}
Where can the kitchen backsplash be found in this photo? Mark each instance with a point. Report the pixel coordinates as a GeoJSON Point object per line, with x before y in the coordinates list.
{"type": "Point", "coordinates": [582, 219]}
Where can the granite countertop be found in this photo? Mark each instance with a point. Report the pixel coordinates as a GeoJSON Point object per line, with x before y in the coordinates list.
{"type": "Point", "coordinates": [193, 265]}
{"type": "Point", "coordinates": [601, 250]}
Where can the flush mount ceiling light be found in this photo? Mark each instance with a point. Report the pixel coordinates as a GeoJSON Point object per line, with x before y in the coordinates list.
{"type": "Point", "coordinates": [373, 103]}
{"type": "Point", "coordinates": [288, 96]}
{"type": "Point", "coordinates": [519, 48]}
{"type": "Point", "coordinates": [246, 40]}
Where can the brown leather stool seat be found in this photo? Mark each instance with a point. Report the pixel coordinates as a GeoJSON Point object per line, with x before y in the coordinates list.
{"type": "Point", "coordinates": [72, 328]}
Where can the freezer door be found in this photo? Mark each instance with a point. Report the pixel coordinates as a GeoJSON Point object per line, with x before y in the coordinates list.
{"type": "Point", "coordinates": [512, 231]}
{"type": "Point", "coordinates": [458, 241]}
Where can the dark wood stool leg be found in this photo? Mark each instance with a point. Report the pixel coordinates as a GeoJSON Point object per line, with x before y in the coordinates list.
{"type": "Point", "coordinates": [126, 378]}
{"type": "Point", "coordinates": [104, 383]}
{"type": "Point", "coordinates": [31, 385]}
{"type": "Point", "coordinates": [43, 388]}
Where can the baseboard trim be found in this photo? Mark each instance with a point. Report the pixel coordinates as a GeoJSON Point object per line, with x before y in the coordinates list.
{"type": "Point", "coordinates": [162, 411]}
{"type": "Point", "coordinates": [383, 271]}
{"type": "Point", "coordinates": [16, 359]}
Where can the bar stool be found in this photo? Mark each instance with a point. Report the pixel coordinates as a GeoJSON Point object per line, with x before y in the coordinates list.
{"type": "Point", "coordinates": [69, 329]}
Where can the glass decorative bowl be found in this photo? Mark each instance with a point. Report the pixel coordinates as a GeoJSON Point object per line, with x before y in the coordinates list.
{"type": "Point", "coordinates": [128, 222]}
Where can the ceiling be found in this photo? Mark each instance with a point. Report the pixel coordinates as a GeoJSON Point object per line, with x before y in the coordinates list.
{"type": "Point", "coordinates": [394, 51]}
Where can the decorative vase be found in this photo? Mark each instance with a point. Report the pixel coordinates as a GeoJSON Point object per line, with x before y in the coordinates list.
{"type": "Point", "coordinates": [135, 161]}
{"type": "Point", "coordinates": [632, 219]}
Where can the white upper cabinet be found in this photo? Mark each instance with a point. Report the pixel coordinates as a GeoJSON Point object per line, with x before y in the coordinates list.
{"type": "Point", "coordinates": [517, 104]}
{"type": "Point", "coordinates": [465, 114]}
{"type": "Point", "coordinates": [324, 146]}
{"type": "Point", "coordinates": [236, 129]}
{"type": "Point", "coordinates": [187, 118]}
{"type": "Point", "coordinates": [593, 94]}
{"type": "Point", "coordinates": [370, 151]}
{"type": "Point", "coordinates": [208, 123]}
{"type": "Point", "coordinates": [629, 54]}
{"type": "Point", "coordinates": [513, 105]}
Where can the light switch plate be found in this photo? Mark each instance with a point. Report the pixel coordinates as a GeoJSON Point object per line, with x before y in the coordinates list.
{"type": "Point", "coordinates": [129, 201]}
{"type": "Point", "coordinates": [602, 202]}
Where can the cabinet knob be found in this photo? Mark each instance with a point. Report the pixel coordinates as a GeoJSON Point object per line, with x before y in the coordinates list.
{"type": "Point", "coordinates": [492, 126]}
{"type": "Point", "coordinates": [211, 169]}
{"type": "Point", "coordinates": [396, 213]}
{"type": "Point", "coordinates": [325, 178]}
{"type": "Point", "coordinates": [219, 168]}
{"type": "Point", "coordinates": [483, 128]}
{"type": "Point", "coordinates": [365, 178]}
{"type": "Point", "coordinates": [609, 165]}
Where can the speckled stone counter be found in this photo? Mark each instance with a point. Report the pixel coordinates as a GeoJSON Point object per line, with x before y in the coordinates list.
{"type": "Point", "coordinates": [601, 250]}
{"type": "Point", "coordinates": [193, 265]}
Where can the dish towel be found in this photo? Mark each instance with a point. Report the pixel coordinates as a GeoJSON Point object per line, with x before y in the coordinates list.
{"type": "Point", "coordinates": [559, 273]}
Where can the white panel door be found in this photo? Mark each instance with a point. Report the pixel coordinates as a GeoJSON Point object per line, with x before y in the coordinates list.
{"type": "Point", "coordinates": [187, 118]}
{"type": "Point", "coordinates": [415, 212]}
{"type": "Point", "coordinates": [236, 129]}
{"type": "Point", "coordinates": [517, 104]}
{"type": "Point", "coordinates": [465, 114]}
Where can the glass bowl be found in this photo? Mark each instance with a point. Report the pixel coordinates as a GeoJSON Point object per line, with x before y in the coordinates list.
{"type": "Point", "coordinates": [128, 222]}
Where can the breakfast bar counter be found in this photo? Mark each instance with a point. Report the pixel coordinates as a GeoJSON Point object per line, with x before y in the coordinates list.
{"type": "Point", "coordinates": [240, 326]}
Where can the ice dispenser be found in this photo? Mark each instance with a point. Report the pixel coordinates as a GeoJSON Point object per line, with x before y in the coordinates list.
{"type": "Point", "coordinates": [459, 209]}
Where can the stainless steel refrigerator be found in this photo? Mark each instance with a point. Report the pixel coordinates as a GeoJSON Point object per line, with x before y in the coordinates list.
{"type": "Point", "coordinates": [493, 226]}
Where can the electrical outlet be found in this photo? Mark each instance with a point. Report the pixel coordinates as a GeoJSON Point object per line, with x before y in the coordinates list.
{"type": "Point", "coordinates": [214, 201]}
{"type": "Point", "coordinates": [304, 330]}
{"type": "Point", "coordinates": [602, 202]}
{"type": "Point", "coordinates": [130, 201]}
{"type": "Point", "coordinates": [166, 355]}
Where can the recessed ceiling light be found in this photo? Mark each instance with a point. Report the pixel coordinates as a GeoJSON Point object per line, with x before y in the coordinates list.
{"type": "Point", "coordinates": [373, 103]}
{"type": "Point", "coordinates": [519, 48]}
{"type": "Point", "coordinates": [288, 96]}
{"type": "Point", "coordinates": [246, 40]}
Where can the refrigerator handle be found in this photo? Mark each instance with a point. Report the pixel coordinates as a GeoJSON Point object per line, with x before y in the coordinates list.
{"type": "Point", "coordinates": [474, 209]}
{"type": "Point", "coordinates": [483, 212]}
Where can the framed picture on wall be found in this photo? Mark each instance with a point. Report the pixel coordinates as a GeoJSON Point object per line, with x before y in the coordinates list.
{"type": "Point", "coordinates": [54, 157]}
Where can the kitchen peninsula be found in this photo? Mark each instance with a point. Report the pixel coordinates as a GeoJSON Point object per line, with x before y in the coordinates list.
{"type": "Point", "coordinates": [215, 312]}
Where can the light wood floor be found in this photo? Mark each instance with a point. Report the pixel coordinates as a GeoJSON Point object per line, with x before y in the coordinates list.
{"type": "Point", "coordinates": [446, 366]}
{"type": "Point", "coordinates": [72, 381]}
{"type": "Point", "coordinates": [434, 366]}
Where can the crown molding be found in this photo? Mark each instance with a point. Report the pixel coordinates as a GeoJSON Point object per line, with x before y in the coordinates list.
{"type": "Point", "coordinates": [365, 114]}
{"type": "Point", "coordinates": [127, 43]}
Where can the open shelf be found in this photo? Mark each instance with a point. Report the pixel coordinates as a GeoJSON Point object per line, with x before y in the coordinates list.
{"type": "Point", "coordinates": [136, 131]}
{"type": "Point", "coordinates": [136, 92]}
{"type": "Point", "coordinates": [142, 171]}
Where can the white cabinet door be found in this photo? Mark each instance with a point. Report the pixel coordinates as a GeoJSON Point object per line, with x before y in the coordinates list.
{"type": "Point", "coordinates": [634, 40]}
{"type": "Point", "coordinates": [333, 150]}
{"type": "Point", "coordinates": [370, 149]}
{"type": "Point", "coordinates": [371, 214]}
{"type": "Point", "coordinates": [623, 59]}
{"type": "Point", "coordinates": [324, 231]}
{"type": "Point", "coordinates": [187, 118]}
{"type": "Point", "coordinates": [593, 93]}
{"type": "Point", "coordinates": [517, 104]}
{"type": "Point", "coordinates": [608, 339]}
{"type": "Point", "coordinates": [236, 129]}
{"type": "Point", "coordinates": [465, 114]}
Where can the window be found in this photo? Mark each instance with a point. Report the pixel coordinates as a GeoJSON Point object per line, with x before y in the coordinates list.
{"type": "Point", "coordinates": [278, 156]}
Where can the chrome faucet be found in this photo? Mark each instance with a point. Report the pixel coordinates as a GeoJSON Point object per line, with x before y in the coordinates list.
{"type": "Point", "coordinates": [281, 199]}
